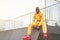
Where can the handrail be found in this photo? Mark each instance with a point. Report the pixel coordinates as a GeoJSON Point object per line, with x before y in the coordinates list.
{"type": "Point", "coordinates": [28, 14]}
{"type": "Point", "coordinates": [53, 20]}
{"type": "Point", "coordinates": [33, 12]}
{"type": "Point", "coordinates": [57, 1]}
{"type": "Point", "coordinates": [41, 9]}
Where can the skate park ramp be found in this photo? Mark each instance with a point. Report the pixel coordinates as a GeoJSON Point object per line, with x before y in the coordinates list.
{"type": "Point", "coordinates": [18, 34]}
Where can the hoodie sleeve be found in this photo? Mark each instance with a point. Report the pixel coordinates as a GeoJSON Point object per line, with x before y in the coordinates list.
{"type": "Point", "coordinates": [34, 17]}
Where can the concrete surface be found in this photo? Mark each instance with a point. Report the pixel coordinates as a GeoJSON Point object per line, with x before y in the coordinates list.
{"type": "Point", "coordinates": [18, 34]}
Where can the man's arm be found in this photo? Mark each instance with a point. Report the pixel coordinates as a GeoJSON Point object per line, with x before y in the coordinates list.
{"type": "Point", "coordinates": [33, 18]}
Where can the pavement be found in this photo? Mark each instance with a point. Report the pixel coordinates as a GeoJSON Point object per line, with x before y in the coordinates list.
{"type": "Point", "coordinates": [18, 34]}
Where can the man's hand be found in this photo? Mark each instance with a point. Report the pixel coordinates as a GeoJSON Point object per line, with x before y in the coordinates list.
{"type": "Point", "coordinates": [27, 37]}
{"type": "Point", "coordinates": [36, 27]}
{"type": "Point", "coordinates": [45, 35]}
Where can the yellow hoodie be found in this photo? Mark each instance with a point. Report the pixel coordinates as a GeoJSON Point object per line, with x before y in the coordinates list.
{"type": "Point", "coordinates": [41, 21]}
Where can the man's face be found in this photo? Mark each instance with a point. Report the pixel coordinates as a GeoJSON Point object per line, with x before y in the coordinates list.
{"type": "Point", "coordinates": [37, 10]}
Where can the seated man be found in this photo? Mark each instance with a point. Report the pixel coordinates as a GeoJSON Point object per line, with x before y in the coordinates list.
{"type": "Point", "coordinates": [38, 20]}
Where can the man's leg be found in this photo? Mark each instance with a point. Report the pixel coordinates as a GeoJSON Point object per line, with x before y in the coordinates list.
{"type": "Point", "coordinates": [28, 36]}
{"type": "Point", "coordinates": [29, 29]}
{"type": "Point", "coordinates": [44, 28]}
{"type": "Point", "coordinates": [32, 31]}
{"type": "Point", "coordinates": [32, 25]}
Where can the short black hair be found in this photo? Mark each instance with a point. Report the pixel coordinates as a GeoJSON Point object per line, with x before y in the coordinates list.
{"type": "Point", "coordinates": [37, 8]}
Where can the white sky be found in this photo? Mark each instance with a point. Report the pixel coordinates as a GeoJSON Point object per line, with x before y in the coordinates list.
{"type": "Point", "coordinates": [10, 9]}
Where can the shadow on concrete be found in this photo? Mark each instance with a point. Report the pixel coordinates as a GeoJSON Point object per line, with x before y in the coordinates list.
{"type": "Point", "coordinates": [53, 33]}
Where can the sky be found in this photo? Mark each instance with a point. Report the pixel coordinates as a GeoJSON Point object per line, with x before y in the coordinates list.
{"type": "Point", "coordinates": [10, 9]}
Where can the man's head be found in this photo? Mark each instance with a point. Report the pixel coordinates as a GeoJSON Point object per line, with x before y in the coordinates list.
{"type": "Point", "coordinates": [37, 10]}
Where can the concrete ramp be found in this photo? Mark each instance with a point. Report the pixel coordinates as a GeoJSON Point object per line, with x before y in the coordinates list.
{"type": "Point", "coordinates": [18, 34]}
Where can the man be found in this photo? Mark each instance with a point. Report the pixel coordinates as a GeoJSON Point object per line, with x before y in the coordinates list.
{"type": "Point", "coordinates": [38, 21]}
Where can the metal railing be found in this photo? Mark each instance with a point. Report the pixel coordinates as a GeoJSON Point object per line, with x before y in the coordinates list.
{"type": "Point", "coordinates": [25, 20]}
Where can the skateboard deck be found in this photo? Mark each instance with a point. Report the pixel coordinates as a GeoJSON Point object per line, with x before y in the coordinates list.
{"type": "Point", "coordinates": [34, 34]}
